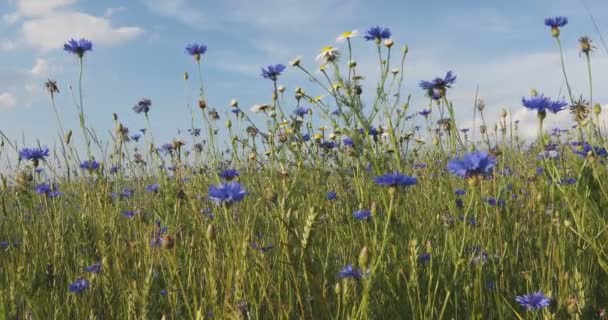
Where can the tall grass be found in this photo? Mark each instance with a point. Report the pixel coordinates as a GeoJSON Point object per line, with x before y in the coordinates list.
{"type": "Point", "coordinates": [445, 248]}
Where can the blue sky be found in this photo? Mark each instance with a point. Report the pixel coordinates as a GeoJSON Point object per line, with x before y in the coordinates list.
{"type": "Point", "coordinates": [502, 46]}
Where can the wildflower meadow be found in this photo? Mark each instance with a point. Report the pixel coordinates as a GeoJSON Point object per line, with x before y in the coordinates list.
{"type": "Point", "coordinates": [340, 201]}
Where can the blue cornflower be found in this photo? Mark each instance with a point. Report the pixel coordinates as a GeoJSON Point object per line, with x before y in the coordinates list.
{"type": "Point", "coordinates": [472, 164]}
{"type": "Point", "coordinates": [328, 144]}
{"type": "Point", "coordinates": [136, 137]}
{"type": "Point", "coordinates": [196, 50]}
{"type": "Point", "coordinates": [306, 137]}
{"type": "Point", "coordinates": [114, 169]}
{"type": "Point", "coordinates": [589, 150]}
{"type": "Point", "coordinates": [163, 292]}
{"type": "Point", "coordinates": [425, 112]}
{"type": "Point", "coordinates": [272, 72]}
{"type": "Point", "coordinates": [43, 188]}
{"type": "Point", "coordinates": [541, 104]}
{"type": "Point", "coordinates": [336, 112]}
{"type": "Point", "coordinates": [208, 213]}
{"type": "Point", "coordinates": [153, 188]}
{"type": "Point", "coordinates": [126, 193]}
{"type": "Point", "coordinates": [34, 154]}
{"type": "Point", "coordinates": [419, 165]}
{"type": "Point", "coordinates": [90, 165]}
{"type": "Point", "coordinates": [79, 286]}
{"type": "Point", "coordinates": [377, 34]}
{"type": "Point", "coordinates": [395, 180]}
{"type": "Point", "coordinates": [533, 301]}
{"type": "Point", "coordinates": [437, 87]}
{"type": "Point", "coordinates": [331, 195]}
{"type": "Point", "coordinates": [229, 174]}
{"type": "Point", "coordinates": [227, 193]}
{"type": "Point", "coordinates": [424, 258]}
{"type": "Point", "coordinates": [236, 111]}
{"type": "Point", "coordinates": [301, 111]}
{"type": "Point", "coordinates": [347, 142]}
{"type": "Point", "coordinates": [459, 192]}
{"type": "Point", "coordinates": [166, 148]}
{"type": "Point", "coordinates": [350, 272]}
{"type": "Point", "coordinates": [362, 214]}
{"type": "Point", "coordinates": [94, 268]}
{"type": "Point", "coordinates": [143, 105]}
{"type": "Point", "coordinates": [129, 214]}
{"type": "Point", "coordinates": [195, 132]}
{"type": "Point", "coordinates": [78, 47]}
{"type": "Point", "coordinates": [556, 22]}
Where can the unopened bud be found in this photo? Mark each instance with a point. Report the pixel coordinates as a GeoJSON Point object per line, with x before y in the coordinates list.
{"type": "Point", "coordinates": [364, 258]}
{"type": "Point", "coordinates": [389, 43]}
{"type": "Point", "coordinates": [234, 103]}
{"type": "Point", "coordinates": [202, 103]}
{"type": "Point", "coordinates": [210, 234]}
{"type": "Point", "coordinates": [597, 108]}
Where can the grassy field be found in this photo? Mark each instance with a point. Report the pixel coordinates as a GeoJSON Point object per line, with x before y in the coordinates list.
{"type": "Point", "coordinates": [356, 206]}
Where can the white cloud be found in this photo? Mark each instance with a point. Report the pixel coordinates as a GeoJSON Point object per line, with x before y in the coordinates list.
{"type": "Point", "coordinates": [51, 31]}
{"type": "Point", "coordinates": [7, 45]}
{"type": "Point", "coordinates": [7, 100]}
{"type": "Point", "coordinates": [47, 24]}
{"type": "Point", "coordinates": [31, 8]}
{"type": "Point", "coordinates": [41, 68]}
{"type": "Point", "coordinates": [182, 10]}
{"type": "Point", "coordinates": [112, 11]}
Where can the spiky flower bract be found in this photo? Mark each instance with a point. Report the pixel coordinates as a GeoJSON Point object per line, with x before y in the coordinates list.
{"type": "Point", "coordinates": [533, 301]}
{"type": "Point", "coordinates": [395, 180]}
{"type": "Point", "coordinates": [78, 47]}
{"type": "Point", "coordinates": [227, 193]}
{"type": "Point", "coordinates": [272, 72]}
{"type": "Point", "coordinates": [142, 105]}
{"type": "Point", "coordinates": [472, 164]}
{"type": "Point", "coordinates": [377, 34]}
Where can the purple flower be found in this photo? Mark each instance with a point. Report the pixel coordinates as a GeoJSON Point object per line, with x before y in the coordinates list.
{"type": "Point", "coordinates": [350, 272]}
{"type": "Point", "coordinates": [89, 165]}
{"type": "Point", "coordinates": [541, 104]}
{"type": "Point", "coordinates": [272, 72]}
{"type": "Point", "coordinates": [129, 214]}
{"type": "Point", "coordinates": [142, 105]}
{"type": "Point", "coordinates": [395, 180]}
{"type": "Point", "coordinates": [425, 112]}
{"type": "Point", "coordinates": [227, 193]}
{"type": "Point", "coordinates": [229, 174]}
{"type": "Point", "coordinates": [362, 214]}
{"type": "Point", "coordinates": [79, 286]}
{"type": "Point", "coordinates": [331, 195]}
{"type": "Point", "coordinates": [154, 188]}
{"type": "Point", "coordinates": [136, 137]}
{"type": "Point", "coordinates": [347, 142]}
{"type": "Point", "coordinates": [438, 86]}
{"type": "Point", "coordinates": [94, 268]}
{"type": "Point", "coordinates": [424, 258]}
{"type": "Point", "coordinates": [533, 301]}
{"type": "Point", "coordinates": [34, 154]}
{"type": "Point", "coordinates": [78, 47]}
{"type": "Point", "coordinates": [196, 50]}
{"type": "Point", "coordinates": [301, 111]}
{"type": "Point", "coordinates": [556, 22]}
{"type": "Point", "coordinates": [472, 164]}
{"type": "Point", "coordinates": [377, 34]}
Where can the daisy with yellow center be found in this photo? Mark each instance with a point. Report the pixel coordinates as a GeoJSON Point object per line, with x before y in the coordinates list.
{"type": "Point", "coordinates": [328, 54]}
{"type": "Point", "coordinates": [347, 35]}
